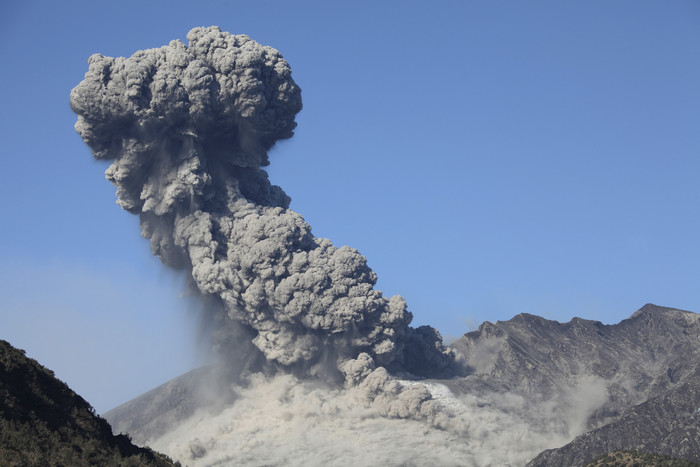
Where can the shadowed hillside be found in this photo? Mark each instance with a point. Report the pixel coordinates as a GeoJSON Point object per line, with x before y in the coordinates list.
{"type": "Point", "coordinates": [638, 459]}
{"type": "Point", "coordinates": [44, 423]}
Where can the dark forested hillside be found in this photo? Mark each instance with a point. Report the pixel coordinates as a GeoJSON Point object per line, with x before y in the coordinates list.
{"type": "Point", "coordinates": [44, 423]}
{"type": "Point", "coordinates": [638, 459]}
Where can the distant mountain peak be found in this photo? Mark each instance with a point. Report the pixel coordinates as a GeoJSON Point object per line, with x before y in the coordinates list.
{"type": "Point", "coordinates": [651, 308]}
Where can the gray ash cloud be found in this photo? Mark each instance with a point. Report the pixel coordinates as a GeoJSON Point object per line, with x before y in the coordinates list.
{"type": "Point", "coordinates": [187, 129]}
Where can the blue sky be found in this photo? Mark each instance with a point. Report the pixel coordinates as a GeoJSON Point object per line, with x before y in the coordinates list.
{"type": "Point", "coordinates": [489, 158]}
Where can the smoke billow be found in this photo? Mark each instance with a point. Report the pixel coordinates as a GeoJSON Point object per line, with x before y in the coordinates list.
{"type": "Point", "coordinates": [284, 420]}
{"type": "Point", "coordinates": [187, 128]}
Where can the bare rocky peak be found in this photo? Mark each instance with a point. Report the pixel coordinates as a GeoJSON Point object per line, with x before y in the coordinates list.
{"type": "Point", "coordinates": [662, 414]}
{"type": "Point", "coordinates": [532, 354]}
{"type": "Point", "coordinates": [648, 365]}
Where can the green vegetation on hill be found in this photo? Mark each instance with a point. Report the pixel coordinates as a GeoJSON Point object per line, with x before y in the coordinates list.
{"type": "Point", "coordinates": [44, 423]}
{"type": "Point", "coordinates": [638, 459]}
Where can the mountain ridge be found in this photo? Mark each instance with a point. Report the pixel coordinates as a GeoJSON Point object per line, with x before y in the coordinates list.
{"type": "Point", "coordinates": [647, 361]}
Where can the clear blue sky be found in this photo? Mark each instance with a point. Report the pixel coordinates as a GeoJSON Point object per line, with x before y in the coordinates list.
{"type": "Point", "coordinates": [489, 158]}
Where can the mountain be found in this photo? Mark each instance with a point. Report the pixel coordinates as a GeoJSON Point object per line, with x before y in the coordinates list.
{"type": "Point", "coordinates": [648, 364]}
{"type": "Point", "coordinates": [152, 414]}
{"type": "Point", "coordinates": [44, 423]}
{"type": "Point", "coordinates": [571, 392]}
{"type": "Point", "coordinates": [667, 423]}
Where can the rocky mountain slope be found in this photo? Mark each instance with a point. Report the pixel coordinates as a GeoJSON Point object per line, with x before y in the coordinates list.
{"type": "Point", "coordinates": [44, 423]}
{"type": "Point", "coordinates": [648, 366]}
{"type": "Point", "coordinates": [155, 412]}
{"type": "Point", "coordinates": [668, 423]}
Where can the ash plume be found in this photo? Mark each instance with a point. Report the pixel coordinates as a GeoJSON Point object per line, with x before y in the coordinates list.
{"type": "Point", "coordinates": [187, 128]}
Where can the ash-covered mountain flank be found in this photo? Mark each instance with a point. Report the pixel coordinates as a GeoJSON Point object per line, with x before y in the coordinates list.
{"type": "Point", "coordinates": [156, 412]}
{"type": "Point", "coordinates": [532, 384]}
{"type": "Point", "coordinates": [644, 370]}
{"type": "Point", "coordinates": [658, 410]}
{"type": "Point", "coordinates": [644, 354]}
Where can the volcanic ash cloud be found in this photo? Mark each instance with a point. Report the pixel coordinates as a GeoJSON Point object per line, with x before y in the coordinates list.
{"type": "Point", "coordinates": [187, 129]}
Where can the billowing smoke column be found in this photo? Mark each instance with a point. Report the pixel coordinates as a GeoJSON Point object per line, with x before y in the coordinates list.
{"type": "Point", "coordinates": [187, 129]}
